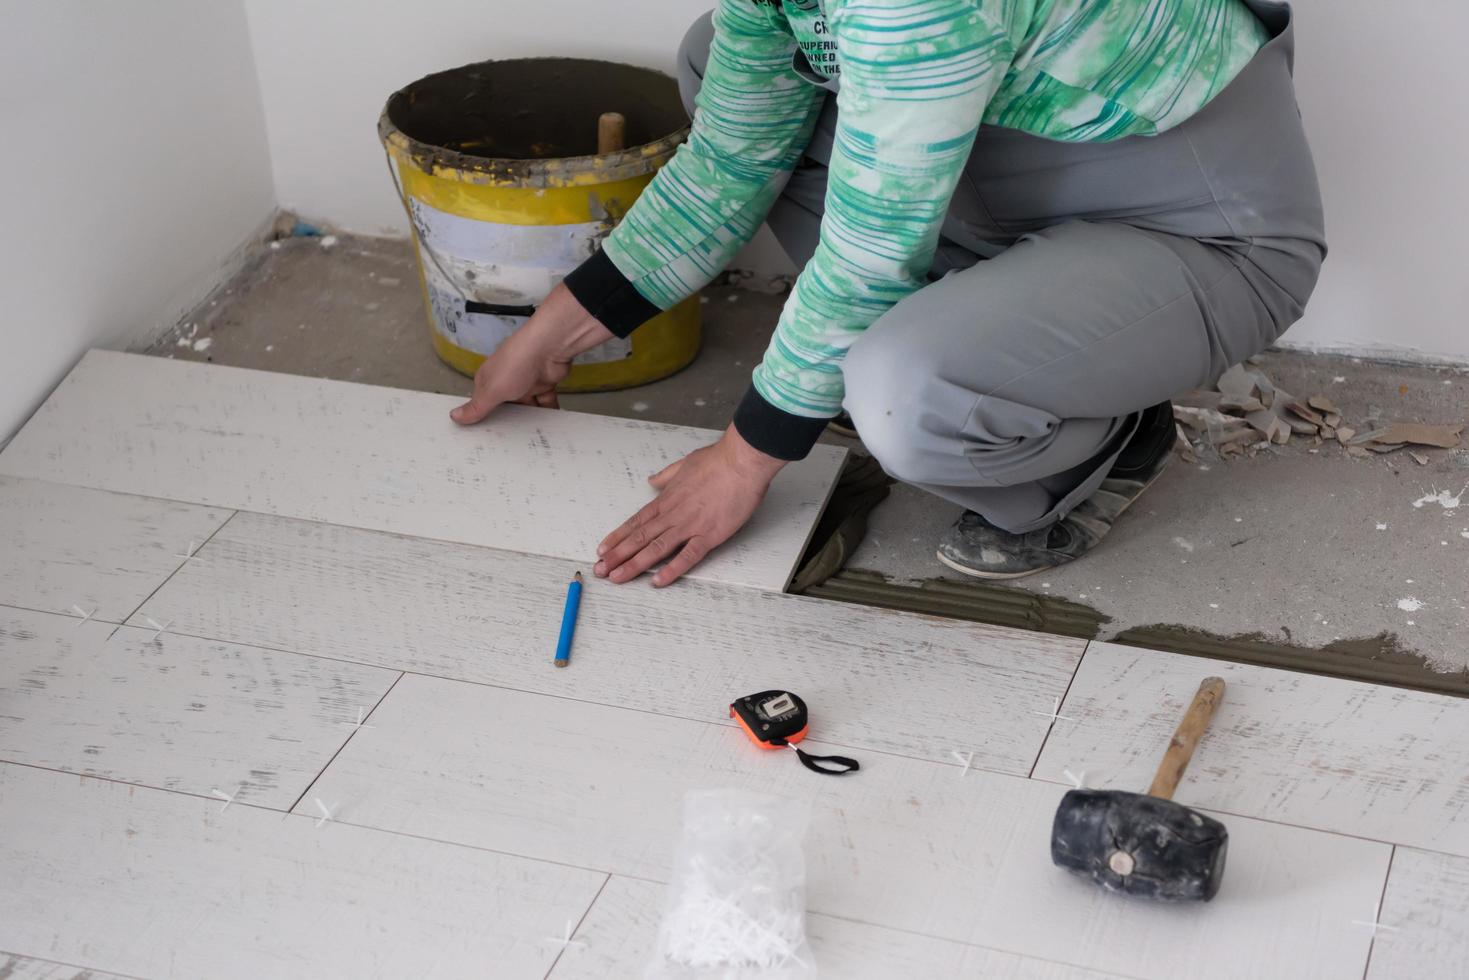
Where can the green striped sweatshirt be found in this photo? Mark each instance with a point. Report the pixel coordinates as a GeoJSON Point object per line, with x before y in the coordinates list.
{"type": "Point", "coordinates": [916, 80]}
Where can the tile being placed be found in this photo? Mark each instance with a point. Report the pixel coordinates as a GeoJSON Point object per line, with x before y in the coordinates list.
{"type": "Point", "coordinates": [529, 480]}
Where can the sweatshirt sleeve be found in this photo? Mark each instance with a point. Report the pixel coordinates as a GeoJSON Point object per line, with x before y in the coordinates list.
{"type": "Point", "coordinates": [916, 76]}
{"type": "Point", "coordinates": [753, 121]}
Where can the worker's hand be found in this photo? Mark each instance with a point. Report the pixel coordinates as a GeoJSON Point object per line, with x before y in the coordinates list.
{"type": "Point", "coordinates": [703, 499]}
{"type": "Point", "coordinates": [533, 360]}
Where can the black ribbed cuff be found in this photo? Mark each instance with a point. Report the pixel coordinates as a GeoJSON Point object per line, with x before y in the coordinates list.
{"type": "Point", "coordinates": [775, 432]}
{"type": "Point", "coordinates": [605, 293]}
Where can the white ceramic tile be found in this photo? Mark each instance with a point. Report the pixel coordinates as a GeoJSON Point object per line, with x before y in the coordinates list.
{"type": "Point", "coordinates": [63, 546]}
{"type": "Point", "coordinates": [174, 712]}
{"type": "Point", "coordinates": [29, 968]}
{"type": "Point", "coordinates": [530, 480]}
{"type": "Point", "coordinates": [1339, 755]}
{"type": "Point", "coordinates": [904, 844]}
{"type": "Point", "coordinates": [919, 685]}
{"type": "Point", "coordinates": [1424, 919]}
{"type": "Point", "coordinates": [156, 884]}
{"type": "Point", "coordinates": [617, 938]}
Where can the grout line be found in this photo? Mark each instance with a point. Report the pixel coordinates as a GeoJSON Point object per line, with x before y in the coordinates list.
{"type": "Point", "coordinates": [351, 735]}
{"type": "Point", "coordinates": [1285, 823]}
{"type": "Point", "coordinates": [59, 615]}
{"type": "Point", "coordinates": [288, 815]}
{"type": "Point", "coordinates": [579, 922]}
{"type": "Point", "coordinates": [1060, 705]}
{"type": "Point", "coordinates": [180, 566]}
{"type": "Point", "coordinates": [85, 970]}
{"type": "Point", "coordinates": [127, 782]}
{"type": "Point", "coordinates": [1381, 903]}
{"type": "Point", "coordinates": [968, 944]}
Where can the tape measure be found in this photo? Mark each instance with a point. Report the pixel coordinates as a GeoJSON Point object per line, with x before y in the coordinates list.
{"type": "Point", "coordinates": [778, 720]}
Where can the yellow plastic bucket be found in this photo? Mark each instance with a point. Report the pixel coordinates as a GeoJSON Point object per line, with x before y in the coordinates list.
{"type": "Point", "coordinates": [498, 169]}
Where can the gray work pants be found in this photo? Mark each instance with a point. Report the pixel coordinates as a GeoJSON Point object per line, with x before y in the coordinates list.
{"type": "Point", "coordinates": [1075, 285]}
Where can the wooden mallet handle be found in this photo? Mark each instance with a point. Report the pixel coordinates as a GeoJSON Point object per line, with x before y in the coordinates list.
{"type": "Point", "coordinates": [611, 127]}
{"type": "Point", "coordinates": [1190, 730]}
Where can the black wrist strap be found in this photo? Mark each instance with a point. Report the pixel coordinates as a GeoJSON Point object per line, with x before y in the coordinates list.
{"type": "Point", "coordinates": [840, 764]}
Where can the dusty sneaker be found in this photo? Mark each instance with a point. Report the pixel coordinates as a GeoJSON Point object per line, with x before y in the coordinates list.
{"type": "Point", "coordinates": [976, 547]}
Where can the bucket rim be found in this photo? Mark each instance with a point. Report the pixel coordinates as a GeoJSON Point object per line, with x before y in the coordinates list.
{"type": "Point", "coordinates": [596, 168]}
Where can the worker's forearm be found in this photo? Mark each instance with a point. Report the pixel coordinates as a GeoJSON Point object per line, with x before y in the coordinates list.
{"type": "Point", "coordinates": [754, 119]}
{"type": "Point", "coordinates": [564, 325]}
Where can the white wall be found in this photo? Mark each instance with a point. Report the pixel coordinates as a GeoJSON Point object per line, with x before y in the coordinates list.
{"type": "Point", "coordinates": [1385, 96]}
{"type": "Point", "coordinates": [134, 165]}
{"type": "Point", "coordinates": [327, 66]}
{"type": "Point", "coordinates": [1381, 86]}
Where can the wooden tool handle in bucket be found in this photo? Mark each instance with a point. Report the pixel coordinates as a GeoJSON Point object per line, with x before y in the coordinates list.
{"type": "Point", "coordinates": [1190, 730]}
{"type": "Point", "coordinates": [611, 132]}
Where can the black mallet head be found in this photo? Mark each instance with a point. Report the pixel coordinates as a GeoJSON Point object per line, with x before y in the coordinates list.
{"type": "Point", "coordinates": [1138, 844]}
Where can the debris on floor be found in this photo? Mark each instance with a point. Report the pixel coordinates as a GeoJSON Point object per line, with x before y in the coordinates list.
{"type": "Point", "coordinates": [1246, 412]}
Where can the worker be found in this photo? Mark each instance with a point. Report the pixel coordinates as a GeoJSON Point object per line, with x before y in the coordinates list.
{"type": "Point", "coordinates": [1022, 225]}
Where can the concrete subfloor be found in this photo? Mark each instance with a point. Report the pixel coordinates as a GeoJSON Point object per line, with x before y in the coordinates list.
{"type": "Point", "coordinates": [1304, 547]}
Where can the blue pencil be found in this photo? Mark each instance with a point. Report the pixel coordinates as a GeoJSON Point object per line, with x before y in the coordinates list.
{"type": "Point", "coordinates": [568, 621]}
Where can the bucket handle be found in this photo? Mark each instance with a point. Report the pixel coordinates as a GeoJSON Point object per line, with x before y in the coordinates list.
{"type": "Point", "coordinates": [497, 309]}
{"type": "Point", "coordinates": [423, 239]}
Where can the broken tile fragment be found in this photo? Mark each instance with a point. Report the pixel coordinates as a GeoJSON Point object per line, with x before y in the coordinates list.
{"type": "Point", "coordinates": [1236, 383]}
{"type": "Point", "coordinates": [1264, 388]}
{"type": "Point", "coordinates": [1421, 434]}
{"type": "Point", "coordinates": [1241, 405]}
{"type": "Point", "coordinates": [1198, 398]}
{"type": "Point", "coordinates": [1323, 404]}
{"type": "Point", "coordinates": [1182, 446]}
{"type": "Point", "coordinates": [1305, 412]}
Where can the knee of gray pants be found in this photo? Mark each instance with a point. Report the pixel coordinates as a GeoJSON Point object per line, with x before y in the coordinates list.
{"type": "Point", "coordinates": [1283, 272]}
{"type": "Point", "coordinates": [933, 426]}
{"type": "Point", "coordinates": [904, 411]}
{"type": "Point", "coordinates": [693, 58]}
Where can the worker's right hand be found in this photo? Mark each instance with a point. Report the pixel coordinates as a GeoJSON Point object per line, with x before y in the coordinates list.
{"type": "Point", "coordinates": [532, 361]}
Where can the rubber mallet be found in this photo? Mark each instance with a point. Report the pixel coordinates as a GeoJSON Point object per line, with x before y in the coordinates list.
{"type": "Point", "coordinates": [1146, 844]}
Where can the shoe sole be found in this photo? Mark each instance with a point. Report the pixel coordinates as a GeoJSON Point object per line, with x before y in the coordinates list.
{"type": "Point", "coordinates": [976, 573]}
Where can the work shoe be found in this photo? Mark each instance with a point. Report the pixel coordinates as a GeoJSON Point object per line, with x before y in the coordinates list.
{"type": "Point", "coordinates": [976, 547]}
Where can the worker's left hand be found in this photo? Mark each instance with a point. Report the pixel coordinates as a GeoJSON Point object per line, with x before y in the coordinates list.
{"type": "Point", "coordinates": [703, 500]}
